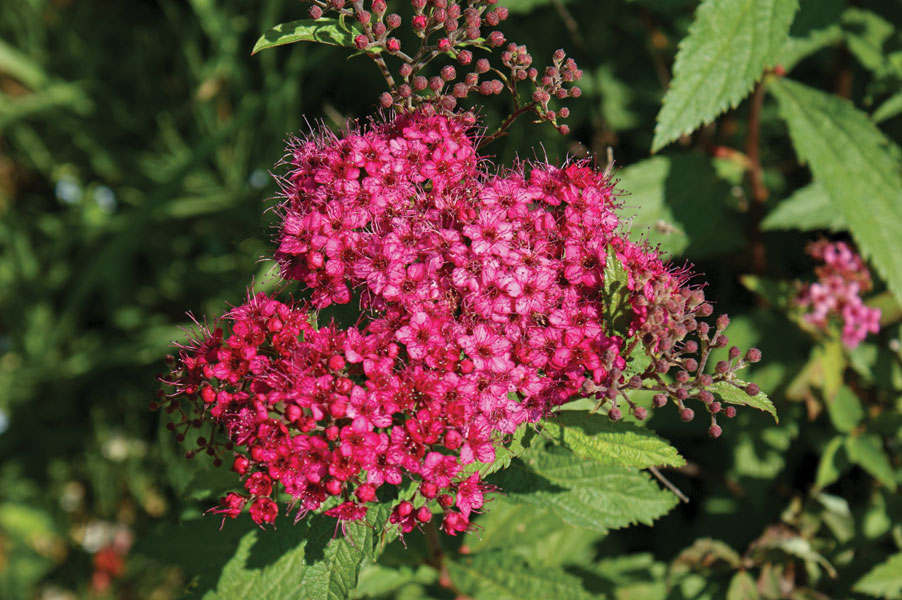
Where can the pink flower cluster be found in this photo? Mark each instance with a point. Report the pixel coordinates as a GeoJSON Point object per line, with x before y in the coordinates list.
{"type": "Point", "coordinates": [841, 280]}
{"type": "Point", "coordinates": [487, 300]}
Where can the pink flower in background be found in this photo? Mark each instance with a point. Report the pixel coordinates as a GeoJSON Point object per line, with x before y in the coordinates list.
{"type": "Point", "coordinates": [837, 293]}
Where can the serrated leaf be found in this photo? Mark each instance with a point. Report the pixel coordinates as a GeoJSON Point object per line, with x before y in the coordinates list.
{"type": "Point", "coordinates": [322, 30]}
{"type": "Point", "coordinates": [306, 559]}
{"type": "Point", "coordinates": [884, 580]}
{"type": "Point", "coordinates": [728, 392]}
{"type": "Point", "coordinates": [680, 201]}
{"type": "Point", "coordinates": [890, 107]}
{"type": "Point", "coordinates": [845, 410]}
{"type": "Point", "coordinates": [870, 38]}
{"type": "Point", "coordinates": [532, 532]}
{"type": "Point", "coordinates": [583, 492]}
{"type": "Point", "coordinates": [501, 576]}
{"type": "Point", "coordinates": [378, 580]}
{"type": "Point", "coordinates": [729, 44]}
{"type": "Point", "coordinates": [867, 452]}
{"type": "Point", "coordinates": [617, 310]}
{"type": "Point", "coordinates": [834, 462]}
{"type": "Point", "coordinates": [815, 27]}
{"type": "Point", "coordinates": [808, 208]}
{"type": "Point", "coordinates": [620, 444]}
{"type": "Point", "coordinates": [852, 160]}
{"type": "Point", "coordinates": [742, 587]}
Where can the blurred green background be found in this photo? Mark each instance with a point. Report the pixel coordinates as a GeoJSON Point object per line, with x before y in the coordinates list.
{"type": "Point", "coordinates": [136, 143]}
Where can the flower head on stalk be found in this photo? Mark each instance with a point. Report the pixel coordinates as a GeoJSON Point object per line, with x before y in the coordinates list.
{"type": "Point", "coordinates": [489, 299]}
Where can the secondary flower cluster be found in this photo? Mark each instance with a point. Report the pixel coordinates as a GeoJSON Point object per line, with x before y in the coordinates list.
{"type": "Point", "coordinates": [447, 29]}
{"type": "Point", "coordinates": [837, 293]}
{"type": "Point", "coordinates": [488, 299]}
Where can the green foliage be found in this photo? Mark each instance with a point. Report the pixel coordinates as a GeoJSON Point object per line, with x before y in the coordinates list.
{"type": "Point", "coordinates": [884, 580]}
{"type": "Point", "coordinates": [808, 209]}
{"type": "Point", "coordinates": [620, 444]}
{"type": "Point", "coordinates": [308, 558]}
{"type": "Point", "coordinates": [322, 31]}
{"type": "Point", "coordinates": [583, 492]}
{"type": "Point", "coordinates": [681, 201]}
{"type": "Point", "coordinates": [733, 392]}
{"type": "Point", "coordinates": [498, 575]}
{"type": "Point", "coordinates": [853, 161]}
{"type": "Point", "coordinates": [728, 46]}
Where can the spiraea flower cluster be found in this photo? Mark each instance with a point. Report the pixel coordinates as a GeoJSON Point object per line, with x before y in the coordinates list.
{"type": "Point", "coordinates": [842, 279]}
{"type": "Point", "coordinates": [488, 298]}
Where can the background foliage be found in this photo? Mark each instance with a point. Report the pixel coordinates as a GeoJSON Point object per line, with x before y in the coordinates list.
{"type": "Point", "coordinates": [135, 143]}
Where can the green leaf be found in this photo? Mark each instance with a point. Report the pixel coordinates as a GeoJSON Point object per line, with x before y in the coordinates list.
{"type": "Point", "coordinates": [680, 201]}
{"type": "Point", "coordinates": [867, 452]}
{"type": "Point", "coordinates": [617, 310]}
{"type": "Point", "coordinates": [378, 580]}
{"type": "Point", "coordinates": [730, 394]}
{"type": "Point", "coordinates": [870, 38]}
{"type": "Point", "coordinates": [808, 208]}
{"type": "Point", "coordinates": [323, 30]}
{"type": "Point", "coordinates": [815, 27]}
{"type": "Point", "coordinates": [884, 580]}
{"type": "Point", "coordinates": [845, 410]}
{"type": "Point", "coordinates": [891, 107]}
{"type": "Point", "coordinates": [852, 160]}
{"type": "Point", "coordinates": [583, 492]}
{"type": "Point", "coordinates": [728, 46]}
{"type": "Point", "coordinates": [834, 462]}
{"type": "Point", "coordinates": [533, 532]}
{"type": "Point", "coordinates": [620, 444]}
{"type": "Point", "coordinates": [501, 576]}
{"type": "Point", "coordinates": [243, 560]}
{"type": "Point", "coordinates": [742, 587]}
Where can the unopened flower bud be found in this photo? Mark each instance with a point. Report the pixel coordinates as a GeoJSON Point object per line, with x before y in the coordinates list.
{"type": "Point", "coordinates": [729, 412]}
{"type": "Point", "coordinates": [734, 352]}
{"type": "Point", "coordinates": [640, 413]}
{"type": "Point", "coordinates": [614, 414]}
{"type": "Point", "coordinates": [424, 515]}
{"type": "Point", "coordinates": [393, 21]}
{"type": "Point", "coordinates": [659, 400]}
{"type": "Point", "coordinates": [714, 431]}
{"type": "Point", "coordinates": [722, 367]}
{"type": "Point", "coordinates": [687, 414]}
{"type": "Point", "coordinates": [706, 396]}
{"type": "Point", "coordinates": [753, 355]}
{"type": "Point", "coordinates": [752, 389]}
{"type": "Point", "coordinates": [723, 321]}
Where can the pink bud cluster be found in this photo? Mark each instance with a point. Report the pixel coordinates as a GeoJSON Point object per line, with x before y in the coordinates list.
{"type": "Point", "coordinates": [488, 299]}
{"type": "Point", "coordinates": [445, 28]}
{"type": "Point", "coordinates": [837, 293]}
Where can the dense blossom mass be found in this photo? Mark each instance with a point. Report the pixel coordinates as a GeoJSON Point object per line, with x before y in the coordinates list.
{"type": "Point", "coordinates": [487, 300]}
{"type": "Point", "coordinates": [837, 293]}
